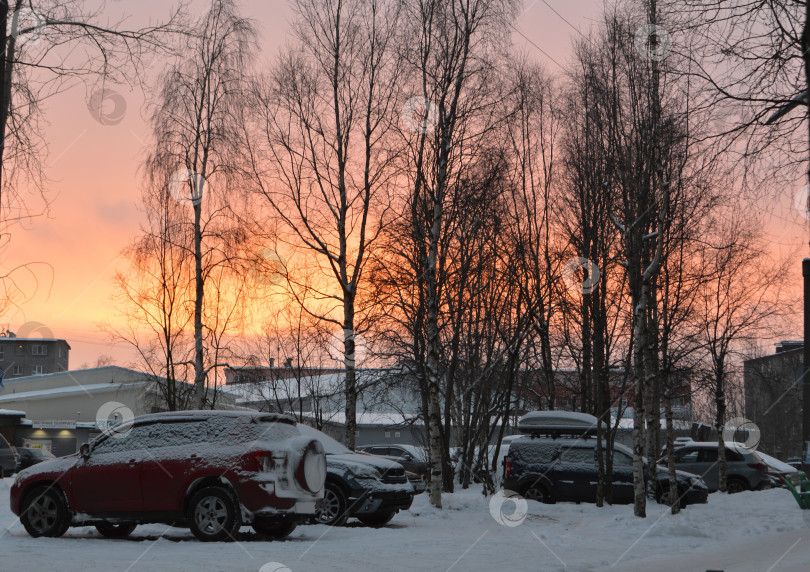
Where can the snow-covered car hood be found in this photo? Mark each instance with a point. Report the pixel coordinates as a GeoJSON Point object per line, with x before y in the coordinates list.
{"type": "Point", "coordinates": [348, 459]}
{"type": "Point", "coordinates": [58, 465]}
{"type": "Point", "coordinates": [663, 473]}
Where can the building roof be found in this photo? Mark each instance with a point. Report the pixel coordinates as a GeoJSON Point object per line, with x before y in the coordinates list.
{"type": "Point", "coordinates": [74, 372]}
{"type": "Point", "coordinates": [12, 412]}
{"type": "Point", "coordinates": [16, 339]}
{"type": "Point", "coordinates": [44, 393]}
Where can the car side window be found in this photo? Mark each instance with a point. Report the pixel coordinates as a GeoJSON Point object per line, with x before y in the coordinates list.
{"type": "Point", "coordinates": [175, 434]}
{"type": "Point", "coordinates": [535, 453]}
{"type": "Point", "coordinates": [130, 440]}
{"type": "Point", "coordinates": [578, 455]}
{"type": "Point", "coordinates": [708, 456]}
{"type": "Point", "coordinates": [622, 460]}
{"type": "Point", "coordinates": [687, 456]}
{"type": "Point", "coordinates": [381, 451]}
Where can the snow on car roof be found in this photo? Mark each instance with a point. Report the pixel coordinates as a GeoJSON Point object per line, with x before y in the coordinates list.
{"type": "Point", "coordinates": [215, 413]}
{"type": "Point", "coordinates": [741, 447]}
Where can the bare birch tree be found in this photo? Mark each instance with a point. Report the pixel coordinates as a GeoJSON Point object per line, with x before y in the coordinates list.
{"type": "Point", "coordinates": [197, 149]}
{"type": "Point", "coordinates": [738, 302]}
{"type": "Point", "coordinates": [50, 46]}
{"type": "Point", "coordinates": [326, 162]}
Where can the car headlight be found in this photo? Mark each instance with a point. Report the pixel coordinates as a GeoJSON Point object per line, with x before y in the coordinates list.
{"type": "Point", "coordinates": [363, 472]}
{"type": "Point", "coordinates": [696, 482]}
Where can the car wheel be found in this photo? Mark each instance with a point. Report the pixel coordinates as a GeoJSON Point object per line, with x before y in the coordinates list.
{"type": "Point", "coordinates": [333, 507]}
{"type": "Point", "coordinates": [377, 519]}
{"type": "Point", "coordinates": [274, 528]}
{"type": "Point", "coordinates": [663, 498]}
{"type": "Point", "coordinates": [213, 515]}
{"type": "Point", "coordinates": [121, 530]}
{"type": "Point", "coordinates": [538, 493]}
{"type": "Point", "coordinates": [736, 486]}
{"type": "Point", "coordinates": [45, 512]}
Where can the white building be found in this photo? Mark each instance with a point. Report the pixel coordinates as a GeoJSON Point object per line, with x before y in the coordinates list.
{"type": "Point", "coordinates": [64, 409]}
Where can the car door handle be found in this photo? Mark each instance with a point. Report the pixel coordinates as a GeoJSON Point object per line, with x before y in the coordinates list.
{"type": "Point", "coordinates": [132, 462]}
{"type": "Point", "coordinates": [194, 458]}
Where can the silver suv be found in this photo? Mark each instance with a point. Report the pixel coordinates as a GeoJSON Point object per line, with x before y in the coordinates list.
{"type": "Point", "coordinates": [745, 470]}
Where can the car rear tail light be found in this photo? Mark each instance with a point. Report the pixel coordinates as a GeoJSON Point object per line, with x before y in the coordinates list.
{"type": "Point", "coordinates": [508, 470]}
{"type": "Point", "coordinates": [263, 459]}
{"type": "Point", "coordinates": [758, 466]}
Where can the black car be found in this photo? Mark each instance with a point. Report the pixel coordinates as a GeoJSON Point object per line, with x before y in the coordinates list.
{"type": "Point", "coordinates": [27, 457]}
{"type": "Point", "coordinates": [8, 459]}
{"type": "Point", "coordinates": [410, 457]}
{"type": "Point", "coordinates": [360, 485]}
{"type": "Point", "coordinates": [565, 469]}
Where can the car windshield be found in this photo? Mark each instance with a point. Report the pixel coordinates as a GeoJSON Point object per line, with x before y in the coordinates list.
{"type": "Point", "coordinates": [41, 453]}
{"type": "Point", "coordinates": [331, 446]}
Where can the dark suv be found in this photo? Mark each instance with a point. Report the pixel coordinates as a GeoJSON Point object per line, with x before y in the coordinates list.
{"type": "Point", "coordinates": [8, 460]}
{"type": "Point", "coordinates": [410, 457]}
{"type": "Point", "coordinates": [372, 489]}
{"type": "Point", "coordinates": [565, 469]}
{"type": "Point", "coordinates": [212, 471]}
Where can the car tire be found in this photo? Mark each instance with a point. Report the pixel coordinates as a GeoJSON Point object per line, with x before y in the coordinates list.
{"type": "Point", "coordinates": [44, 512]}
{"type": "Point", "coordinates": [274, 528]}
{"type": "Point", "coordinates": [663, 498]}
{"type": "Point", "coordinates": [377, 519]}
{"type": "Point", "coordinates": [333, 508]}
{"type": "Point", "coordinates": [736, 486]}
{"type": "Point", "coordinates": [214, 514]}
{"type": "Point", "coordinates": [111, 530]}
{"type": "Point", "coordinates": [538, 493]}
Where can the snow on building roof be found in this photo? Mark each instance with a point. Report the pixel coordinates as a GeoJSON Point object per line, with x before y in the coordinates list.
{"type": "Point", "coordinates": [42, 393]}
{"type": "Point", "coordinates": [368, 418]}
{"type": "Point", "coordinates": [11, 412]}
{"type": "Point", "coordinates": [677, 424]}
{"type": "Point", "coordinates": [73, 373]}
{"type": "Point", "coordinates": [324, 384]}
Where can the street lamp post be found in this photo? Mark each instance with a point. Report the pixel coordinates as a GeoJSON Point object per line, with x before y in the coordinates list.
{"type": "Point", "coordinates": [806, 370]}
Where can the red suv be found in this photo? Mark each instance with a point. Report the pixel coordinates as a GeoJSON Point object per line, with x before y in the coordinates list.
{"type": "Point", "coordinates": [212, 471]}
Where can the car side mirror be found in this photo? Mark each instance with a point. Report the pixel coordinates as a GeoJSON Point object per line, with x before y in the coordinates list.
{"type": "Point", "coordinates": [407, 457]}
{"type": "Point", "coordinates": [84, 450]}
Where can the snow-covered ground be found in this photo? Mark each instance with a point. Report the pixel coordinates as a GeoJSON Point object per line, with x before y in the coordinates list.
{"type": "Point", "coordinates": [753, 531]}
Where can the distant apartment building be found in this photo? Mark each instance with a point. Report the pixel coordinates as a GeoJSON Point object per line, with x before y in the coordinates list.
{"type": "Point", "coordinates": [773, 399]}
{"type": "Point", "coordinates": [23, 357]}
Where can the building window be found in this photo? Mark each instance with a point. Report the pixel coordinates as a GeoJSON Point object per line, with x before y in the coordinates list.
{"type": "Point", "coordinates": [16, 370]}
{"type": "Point", "coordinates": [39, 350]}
{"type": "Point", "coordinates": [387, 434]}
{"type": "Point", "coordinates": [2, 354]}
{"type": "Point", "coordinates": [39, 369]}
{"type": "Point", "coordinates": [59, 351]}
{"type": "Point", "coordinates": [396, 434]}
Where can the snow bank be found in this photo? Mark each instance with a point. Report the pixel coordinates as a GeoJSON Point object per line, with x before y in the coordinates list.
{"type": "Point", "coordinates": [742, 532]}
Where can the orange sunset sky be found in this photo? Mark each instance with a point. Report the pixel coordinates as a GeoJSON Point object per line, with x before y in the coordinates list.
{"type": "Point", "coordinates": [94, 180]}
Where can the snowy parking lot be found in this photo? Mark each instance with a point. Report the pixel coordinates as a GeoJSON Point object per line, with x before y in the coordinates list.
{"type": "Point", "coordinates": [756, 531]}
